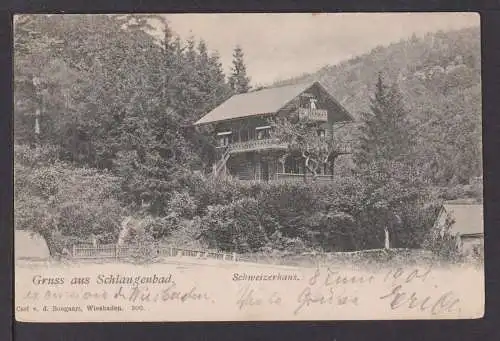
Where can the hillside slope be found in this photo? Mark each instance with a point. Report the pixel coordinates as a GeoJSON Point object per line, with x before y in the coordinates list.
{"type": "Point", "coordinates": [439, 76]}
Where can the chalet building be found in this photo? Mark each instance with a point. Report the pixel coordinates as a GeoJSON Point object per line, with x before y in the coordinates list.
{"type": "Point", "coordinates": [466, 220]}
{"type": "Point", "coordinates": [246, 147]}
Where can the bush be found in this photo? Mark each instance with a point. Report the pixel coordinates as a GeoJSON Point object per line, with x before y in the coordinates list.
{"type": "Point", "coordinates": [160, 227]}
{"type": "Point", "coordinates": [182, 205]}
{"type": "Point", "coordinates": [278, 242]}
{"type": "Point", "coordinates": [143, 246]}
{"type": "Point", "coordinates": [234, 227]}
{"type": "Point", "coordinates": [187, 235]}
{"type": "Point", "coordinates": [443, 244]}
{"type": "Point", "coordinates": [101, 219]}
{"type": "Point", "coordinates": [39, 156]}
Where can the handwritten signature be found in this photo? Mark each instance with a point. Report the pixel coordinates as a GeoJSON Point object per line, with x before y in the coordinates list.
{"type": "Point", "coordinates": [398, 298]}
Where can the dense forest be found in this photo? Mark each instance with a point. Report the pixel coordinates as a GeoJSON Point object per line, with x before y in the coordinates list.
{"type": "Point", "coordinates": [114, 139]}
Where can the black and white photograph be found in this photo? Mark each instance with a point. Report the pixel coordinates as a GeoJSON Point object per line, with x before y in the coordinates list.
{"type": "Point", "coordinates": [247, 167]}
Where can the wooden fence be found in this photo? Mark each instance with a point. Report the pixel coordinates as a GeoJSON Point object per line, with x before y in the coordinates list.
{"type": "Point", "coordinates": [113, 251]}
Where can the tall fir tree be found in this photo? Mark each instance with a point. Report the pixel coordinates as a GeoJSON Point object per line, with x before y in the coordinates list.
{"type": "Point", "coordinates": [384, 135]}
{"type": "Point", "coordinates": [385, 162]}
{"type": "Point", "coordinates": [170, 65]}
{"type": "Point", "coordinates": [220, 88]}
{"type": "Point", "coordinates": [239, 81]}
{"type": "Point", "coordinates": [203, 77]}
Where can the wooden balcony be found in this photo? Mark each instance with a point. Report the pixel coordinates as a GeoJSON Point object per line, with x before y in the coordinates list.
{"type": "Point", "coordinates": [343, 148]}
{"type": "Point", "coordinates": [319, 115]}
{"type": "Point", "coordinates": [252, 145]}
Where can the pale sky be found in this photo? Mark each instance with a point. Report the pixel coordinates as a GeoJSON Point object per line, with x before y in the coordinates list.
{"type": "Point", "coordinates": [280, 46]}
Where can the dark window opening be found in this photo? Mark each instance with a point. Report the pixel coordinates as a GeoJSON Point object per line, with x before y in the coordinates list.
{"type": "Point", "coordinates": [263, 134]}
{"type": "Point", "coordinates": [224, 140]}
{"type": "Point", "coordinates": [264, 171]}
{"type": "Point", "coordinates": [244, 135]}
{"type": "Point", "coordinates": [292, 165]}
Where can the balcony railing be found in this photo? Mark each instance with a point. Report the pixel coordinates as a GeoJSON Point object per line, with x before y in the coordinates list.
{"type": "Point", "coordinates": [313, 114]}
{"type": "Point", "coordinates": [235, 147]}
{"type": "Point", "coordinates": [343, 148]}
{"type": "Point", "coordinates": [256, 145]}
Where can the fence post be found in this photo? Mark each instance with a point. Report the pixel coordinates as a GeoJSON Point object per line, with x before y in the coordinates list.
{"type": "Point", "coordinates": [116, 251]}
{"type": "Point", "coordinates": [73, 250]}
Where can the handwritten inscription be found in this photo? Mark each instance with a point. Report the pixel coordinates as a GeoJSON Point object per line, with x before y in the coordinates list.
{"type": "Point", "coordinates": [52, 294]}
{"type": "Point", "coordinates": [407, 276]}
{"type": "Point", "coordinates": [398, 298]}
{"type": "Point", "coordinates": [334, 298]}
{"type": "Point", "coordinates": [145, 294]}
{"type": "Point", "coordinates": [325, 292]}
{"type": "Point", "coordinates": [249, 297]}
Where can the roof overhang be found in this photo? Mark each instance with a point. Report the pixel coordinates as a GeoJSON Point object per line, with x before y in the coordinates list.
{"type": "Point", "coordinates": [472, 235]}
{"type": "Point", "coordinates": [304, 88]}
{"type": "Point", "coordinates": [233, 119]}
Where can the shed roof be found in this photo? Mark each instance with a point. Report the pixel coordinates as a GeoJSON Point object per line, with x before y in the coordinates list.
{"type": "Point", "coordinates": [468, 217]}
{"type": "Point", "coordinates": [30, 245]}
{"type": "Point", "coordinates": [265, 101]}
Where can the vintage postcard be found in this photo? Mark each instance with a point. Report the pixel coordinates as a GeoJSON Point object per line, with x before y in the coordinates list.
{"type": "Point", "coordinates": [248, 167]}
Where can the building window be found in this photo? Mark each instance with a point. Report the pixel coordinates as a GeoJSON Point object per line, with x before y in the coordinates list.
{"type": "Point", "coordinates": [263, 132]}
{"type": "Point", "coordinates": [292, 165]}
{"type": "Point", "coordinates": [244, 135]}
{"type": "Point", "coordinates": [321, 132]}
{"type": "Point", "coordinates": [224, 138]}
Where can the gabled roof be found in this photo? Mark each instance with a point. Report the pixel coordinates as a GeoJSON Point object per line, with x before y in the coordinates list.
{"type": "Point", "coordinates": [265, 101]}
{"type": "Point", "coordinates": [467, 216]}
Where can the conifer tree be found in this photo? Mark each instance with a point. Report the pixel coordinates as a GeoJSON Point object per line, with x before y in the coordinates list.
{"type": "Point", "coordinates": [170, 69]}
{"type": "Point", "coordinates": [384, 135]}
{"type": "Point", "coordinates": [219, 78]}
{"type": "Point", "coordinates": [384, 160]}
{"type": "Point", "coordinates": [203, 76]}
{"type": "Point", "coordinates": [238, 81]}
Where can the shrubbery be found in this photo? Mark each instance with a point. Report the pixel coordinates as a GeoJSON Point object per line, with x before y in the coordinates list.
{"type": "Point", "coordinates": [345, 215]}
{"type": "Point", "coordinates": [235, 226]}
{"type": "Point", "coordinates": [59, 200]}
{"type": "Point", "coordinates": [63, 202]}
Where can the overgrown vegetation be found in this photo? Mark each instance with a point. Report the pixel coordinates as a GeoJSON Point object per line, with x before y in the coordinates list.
{"type": "Point", "coordinates": [116, 104]}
